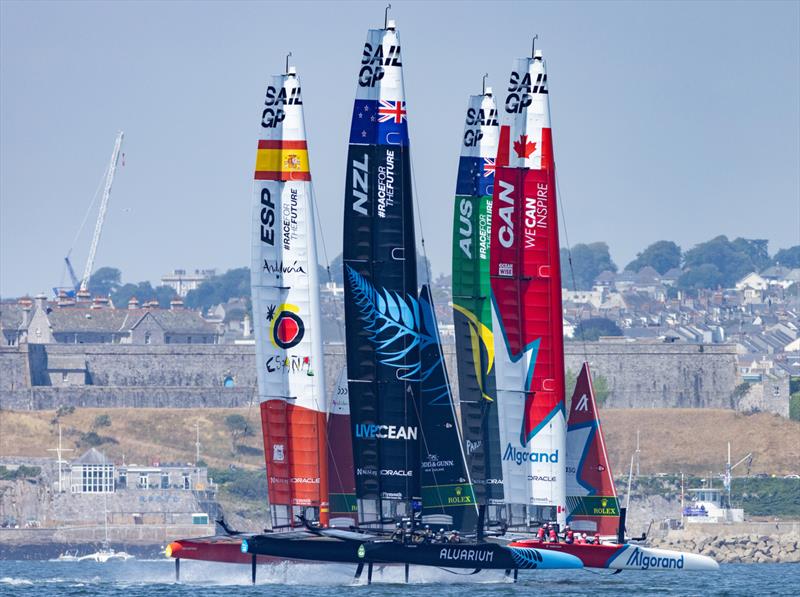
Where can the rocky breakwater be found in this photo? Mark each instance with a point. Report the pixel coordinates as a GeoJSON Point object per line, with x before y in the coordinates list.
{"type": "Point", "coordinates": [772, 543]}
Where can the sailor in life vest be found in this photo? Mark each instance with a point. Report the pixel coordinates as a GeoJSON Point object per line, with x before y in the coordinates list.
{"type": "Point", "coordinates": [540, 534]}
{"type": "Point", "coordinates": [569, 536]}
{"type": "Point", "coordinates": [553, 536]}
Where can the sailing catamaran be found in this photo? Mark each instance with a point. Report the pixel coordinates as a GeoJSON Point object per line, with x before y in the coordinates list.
{"type": "Point", "coordinates": [387, 455]}
{"type": "Point", "coordinates": [526, 303]}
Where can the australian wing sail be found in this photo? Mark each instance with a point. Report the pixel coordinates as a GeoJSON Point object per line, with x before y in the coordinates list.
{"type": "Point", "coordinates": [286, 312]}
{"type": "Point", "coordinates": [472, 313]}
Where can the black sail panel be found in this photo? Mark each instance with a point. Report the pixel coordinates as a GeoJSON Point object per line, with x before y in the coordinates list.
{"type": "Point", "coordinates": [381, 310]}
{"type": "Point", "coordinates": [446, 487]}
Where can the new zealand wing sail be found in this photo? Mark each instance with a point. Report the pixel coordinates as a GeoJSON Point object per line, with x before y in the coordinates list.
{"type": "Point", "coordinates": [472, 312]}
{"type": "Point", "coordinates": [286, 310]}
{"type": "Point", "coordinates": [592, 504]}
{"type": "Point", "coordinates": [526, 301]}
{"type": "Point", "coordinates": [382, 315]}
{"type": "Point", "coordinates": [446, 487]}
{"type": "Point", "coordinates": [340, 454]}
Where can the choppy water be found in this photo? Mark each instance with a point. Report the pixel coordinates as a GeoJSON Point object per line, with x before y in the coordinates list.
{"type": "Point", "coordinates": [145, 578]}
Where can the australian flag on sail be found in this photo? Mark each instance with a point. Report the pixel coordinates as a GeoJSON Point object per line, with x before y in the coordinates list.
{"type": "Point", "coordinates": [475, 176]}
{"type": "Point", "coordinates": [379, 122]}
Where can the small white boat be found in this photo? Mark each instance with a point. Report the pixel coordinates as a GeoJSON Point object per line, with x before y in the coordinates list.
{"type": "Point", "coordinates": [68, 556]}
{"type": "Point", "coordinates": [105, 554]}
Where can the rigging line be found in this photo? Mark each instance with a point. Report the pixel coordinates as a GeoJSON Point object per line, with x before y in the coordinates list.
{"type": "Point", "coordinates": [560, 200]}
{"type": "Point", "coordinates": [88, 211]}
{"type": "Point", "coordinates": [315, 208]}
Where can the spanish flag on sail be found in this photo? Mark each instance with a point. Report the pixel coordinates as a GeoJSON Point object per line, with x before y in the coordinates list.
{"type": "Point", "coordinates": [282, 160]}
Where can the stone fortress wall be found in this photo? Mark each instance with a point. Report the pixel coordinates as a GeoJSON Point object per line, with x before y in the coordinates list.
{"type": "Point", "coordinates": [638, 375]}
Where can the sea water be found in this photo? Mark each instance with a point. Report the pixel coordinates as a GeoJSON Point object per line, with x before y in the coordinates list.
{"type": "Point", "coordinates": [200, 579]}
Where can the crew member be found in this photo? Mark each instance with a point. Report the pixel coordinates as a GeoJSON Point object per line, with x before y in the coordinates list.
{"type": "Point", "coordinates": [397, 535]}
{"type": "Point", "coordinates": [540, 534]}
{"type": "Point", "coordinates": [597, 538]}
{"type": "Point", "coordinates": [569, 536]}
{"type": "Point", "coordinates": [552, 535]}
{"type": "Point", "coordinates": [454, 538]}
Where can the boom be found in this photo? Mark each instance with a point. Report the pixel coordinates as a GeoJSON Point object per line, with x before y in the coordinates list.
{"type": "Point", "coordinates": [98, 227]}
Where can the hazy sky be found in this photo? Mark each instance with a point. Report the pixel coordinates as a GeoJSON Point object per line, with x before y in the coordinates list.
{"type": "Point", "coordinates": [675, 120]}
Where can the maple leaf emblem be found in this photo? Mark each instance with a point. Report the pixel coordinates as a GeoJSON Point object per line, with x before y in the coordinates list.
{"type": "Point", "coordinates": [523, 147]}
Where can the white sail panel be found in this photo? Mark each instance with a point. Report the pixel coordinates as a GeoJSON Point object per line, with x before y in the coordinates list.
{"type": "Point", "coordinates": [286, 312]}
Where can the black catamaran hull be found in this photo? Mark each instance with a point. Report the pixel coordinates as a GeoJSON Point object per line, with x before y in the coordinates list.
{"type": "Point", "coordinates": [473, 556]}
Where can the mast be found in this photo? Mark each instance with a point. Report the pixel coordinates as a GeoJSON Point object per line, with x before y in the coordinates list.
{"type": "Point", "coordinates": [286, 310]}
{"type": "Point", "coordinates": [472, 312]}
{"type": "Point", "coordinates": [592, 503]}
{"type": "Point", "coordinates": [526, 302]}
{"type": "Point", "coordinates": [382, 317]}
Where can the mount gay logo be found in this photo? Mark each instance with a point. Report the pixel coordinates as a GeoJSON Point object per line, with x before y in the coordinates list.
{"type": "Point", "coordinates": [505, 233]}
{"type": "Point", "coordinates": [583, 403]}
{"type": "Point", "coordinates": [360, 185]}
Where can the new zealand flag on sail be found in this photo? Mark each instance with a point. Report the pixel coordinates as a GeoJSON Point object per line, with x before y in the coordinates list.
{"type": "Point", "coordinates": [475, 177]}
{"type": "Point", "coordinates": [379, 122]}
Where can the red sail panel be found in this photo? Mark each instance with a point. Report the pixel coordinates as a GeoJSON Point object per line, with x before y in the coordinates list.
{"type": "Point", "coordinates": [541, 287]}
{"type": "Point", "coordinates": [591, 494]}
{"type": "Point", "coordinates": [294, 439]}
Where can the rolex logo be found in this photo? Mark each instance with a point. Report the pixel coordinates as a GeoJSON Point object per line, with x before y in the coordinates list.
{"type": "Point", "coordinates": [604, 502]}
{"type": "Point", "coordinates": [458, 491]}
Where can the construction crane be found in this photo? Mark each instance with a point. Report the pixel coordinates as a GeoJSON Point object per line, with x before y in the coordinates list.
{"type": "Point", "coordinates": [83, 283]}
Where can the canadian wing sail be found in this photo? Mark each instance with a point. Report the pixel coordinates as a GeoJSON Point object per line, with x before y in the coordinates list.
{"type": "Point", "coordinates": [286, 309]}
{"type": "Point", "coordinates": [446, 487]}
{"type": "Point", "coordinates": [592, 504]}
{"type": "Point", "coordinates": [526, 301]}
{"type": "Point", "coordinates": [384, 331]}
{"type": "Point", "coordinates": [472, 311]}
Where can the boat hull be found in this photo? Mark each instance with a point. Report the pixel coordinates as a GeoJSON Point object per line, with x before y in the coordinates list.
{"type": "Point", "coordinates": [625, 557]}
{"type": "Point", "coordinates": [220, 548]}
{"type": "Point", "coordinates": [475, 556]}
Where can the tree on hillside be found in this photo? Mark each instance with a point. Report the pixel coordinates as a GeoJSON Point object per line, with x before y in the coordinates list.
{"type": "Point", "coordinates": [732, 261]}
{"type": "Point", "coordinates": [594, 327]}
{"type": "Point", "coordinates": [662, 256]}
{"type": "Point", "coordinates": [788, 257]}
{"type": "Point", "coordinates": [587, 262]}
{"type": "Point", "coordinates": [105, 281]}
{"type": "Point", "coordinates": [703, 276]}
{"type": "Point", "coordinates": [143, 291]}
{"type": "Point", "coordinates": [234, 283]}
{"type": "Point", "coordinates": [238, 428]}
{"type": "Point", "coordinates": [756, 249]}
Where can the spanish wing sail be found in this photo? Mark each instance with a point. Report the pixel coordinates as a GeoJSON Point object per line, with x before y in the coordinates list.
{"type": "Point", "coordinates": [526, 301]}
{"type": "Point", "coordinates": [382, 314]}
{"type": "Point", "coordinates": [340, 454]}
{"type": "Point", "coordinates": [286, 310]}
{"type": "Point", "coordinates": [472, 309]}
{"type": "Point", "coordinates": [592, 504]}
{"type": "Point", "coordinates": [446, 487]}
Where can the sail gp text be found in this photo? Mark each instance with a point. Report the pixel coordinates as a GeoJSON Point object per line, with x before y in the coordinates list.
{"type": "Point", "coordinates": [386, 185]}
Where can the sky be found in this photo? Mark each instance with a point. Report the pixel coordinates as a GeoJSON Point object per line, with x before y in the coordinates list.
{"type": "Point", "coordinates": [673, 120]}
